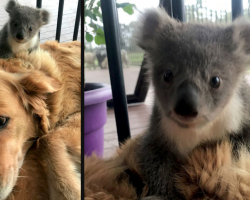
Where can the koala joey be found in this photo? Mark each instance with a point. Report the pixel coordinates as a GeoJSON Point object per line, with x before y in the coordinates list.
{"type": "Point", "coordinates": [201, 94]}
{"type": "Point", "coordinates": [20, 33]}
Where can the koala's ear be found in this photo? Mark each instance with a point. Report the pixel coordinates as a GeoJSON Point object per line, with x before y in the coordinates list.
{"type": "Point", "coordinates": [11, 5]}
{"type": "Point", "coordinates": [241, 38]}
{"type": "Point", "coordinates": [45, 16]}
{"type": "Point", "coordinates": [151, 23]}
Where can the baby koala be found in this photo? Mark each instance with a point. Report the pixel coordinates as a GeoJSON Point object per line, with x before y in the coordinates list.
{"type": "Point", "coordinates": [201, 94]}
{"type": "Point", "coordinates": [20, 33]}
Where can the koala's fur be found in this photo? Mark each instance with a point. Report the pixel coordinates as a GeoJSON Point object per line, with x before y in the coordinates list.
{"type": "Point", "coordinates": [194, 53]}
{"type": "Point", "coordinates": [20, 33]}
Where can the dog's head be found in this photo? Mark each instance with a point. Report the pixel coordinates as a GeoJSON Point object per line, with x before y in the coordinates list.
{"type": "Point", "coordinates": [25, 22]}
{"type": "Point", "coordinates": [23, 117]}
{"type": "Point", "coordinates": [196, 69]}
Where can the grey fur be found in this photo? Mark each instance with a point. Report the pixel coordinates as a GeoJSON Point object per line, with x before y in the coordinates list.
{"type": "Point", "coordinates": [194, 53]}
{"type": "Point", "coordinates": [24, 23]}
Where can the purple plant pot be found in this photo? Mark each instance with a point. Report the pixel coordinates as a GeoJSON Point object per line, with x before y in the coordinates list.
{"type": "Point", "coordinates": [95, 116]}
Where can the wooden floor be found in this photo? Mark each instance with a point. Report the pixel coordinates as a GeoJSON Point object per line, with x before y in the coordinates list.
{"type": "Point", "coordinates": [48, 32]}
{"type": "Point", "coordinates": [138, 119]}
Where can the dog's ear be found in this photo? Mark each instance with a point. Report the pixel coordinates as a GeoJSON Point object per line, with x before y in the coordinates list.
{"type": "Point", "coordinates": [45, 16]}
{"type": "Point", "coordinates": [33, 87]}
{"type": "Point", "coordinates": [11, 5]}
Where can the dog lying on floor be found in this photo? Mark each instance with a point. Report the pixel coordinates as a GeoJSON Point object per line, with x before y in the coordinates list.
{"type": "Point", "coordinates": [37, 94]}
{"type": "Point", "coordinates": [211, 173]}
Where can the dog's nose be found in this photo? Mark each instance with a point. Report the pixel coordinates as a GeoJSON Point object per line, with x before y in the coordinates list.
{"type": "Point", "coordinates": [187, 99]}
{"type": "Point", "coordinates": [19, 36]}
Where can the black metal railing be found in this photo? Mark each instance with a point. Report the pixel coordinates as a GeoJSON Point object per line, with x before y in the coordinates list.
{"type": "Point", "coordinates": [111, 31]}
{"type": "Point", "coordinates": [237, 8]}
{"type": "Point", "coordinates": [59, 20]}
{"type": "Point", "coordinates": [60, 16]}
{"type": "Point", "coordinates": [77, 22]}
{"type": "Point", "coordinates": [39, 3]}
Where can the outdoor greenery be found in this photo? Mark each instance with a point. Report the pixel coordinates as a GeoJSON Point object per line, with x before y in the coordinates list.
{"type": "Point", "coordinates": [195, 11]}
{"type": "Point", "coordinates": [94, 29]}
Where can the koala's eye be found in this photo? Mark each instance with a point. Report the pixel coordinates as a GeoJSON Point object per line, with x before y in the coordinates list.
{"type": "Point", "coordinates": [215, 82]}
{"type": "Point", "coordinates": [168, 76]}
{"type": "Point", "coordinates": [3, 121]}
{"type": "Point", "coordinates": [15, 24]}
{"type": "Point", "coordinates": [30, 29]}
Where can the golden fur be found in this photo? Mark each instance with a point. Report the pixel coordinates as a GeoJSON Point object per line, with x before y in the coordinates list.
{"type": "Point", "coordinates": [38, 91]}
{"type": "Point", "coordinates": [24, 106]}
{"type": "Point", "coordinates": [62, 61]}
{"type": "Point", "coordinates": [107, 180]}
{"type": "Point", "coordinates": [210, 173]}
{"type": "Point", "coordinates": [51, 169]}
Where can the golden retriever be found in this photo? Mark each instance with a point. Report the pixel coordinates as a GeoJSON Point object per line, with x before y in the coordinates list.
{"type": "Point", "coordinates": [38, 91]}
{"type": "Point", "coordinates": [51, 168]}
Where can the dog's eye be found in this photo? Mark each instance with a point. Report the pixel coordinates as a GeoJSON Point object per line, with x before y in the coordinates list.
{"type": "Point", "coordinates": [3, 121]}
{"type": "Point", "coordinates": [215, 82]}
{"type": "Point", "coordinates": [15, 24]}
{"type": "Point", "coordinates": [168, 76]}
{"type": "Point", "coordinates": [30, 29]}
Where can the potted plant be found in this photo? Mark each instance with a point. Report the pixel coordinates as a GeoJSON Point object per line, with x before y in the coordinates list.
{"type": "Point", "coordinates": [96, 94]}
{"type": "Point", "coordinates": [95, 116]}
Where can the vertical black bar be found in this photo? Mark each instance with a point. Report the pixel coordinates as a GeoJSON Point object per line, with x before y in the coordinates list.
{"type": "Point", "coordinates": [111, 30]}
{"type": "Point", "coordinates": [77, 22]}
{"type": "Point", "coordinates": [39, 5]}
{"type": "Point", "coordinates": [178, 10]}
{"type": "Point", "coordinates": [167, 4]}
{"type": "Point", "coordinates": [59, 20]}
{"type": "Point", "coordinates": [237, 8]}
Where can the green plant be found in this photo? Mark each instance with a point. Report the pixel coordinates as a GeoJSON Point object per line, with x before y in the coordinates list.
{"type": "Point", "coordinates": [94, 29]}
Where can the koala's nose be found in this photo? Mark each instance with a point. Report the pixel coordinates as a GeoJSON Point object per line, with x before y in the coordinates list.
{"type": "Point", "coordinates": [20, 36]}
{"type": "Point", "coordinates": [187, 99]}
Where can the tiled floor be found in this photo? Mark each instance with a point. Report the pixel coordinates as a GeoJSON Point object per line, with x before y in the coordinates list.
{"type": "Point", "coordinates": [48, 32]}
